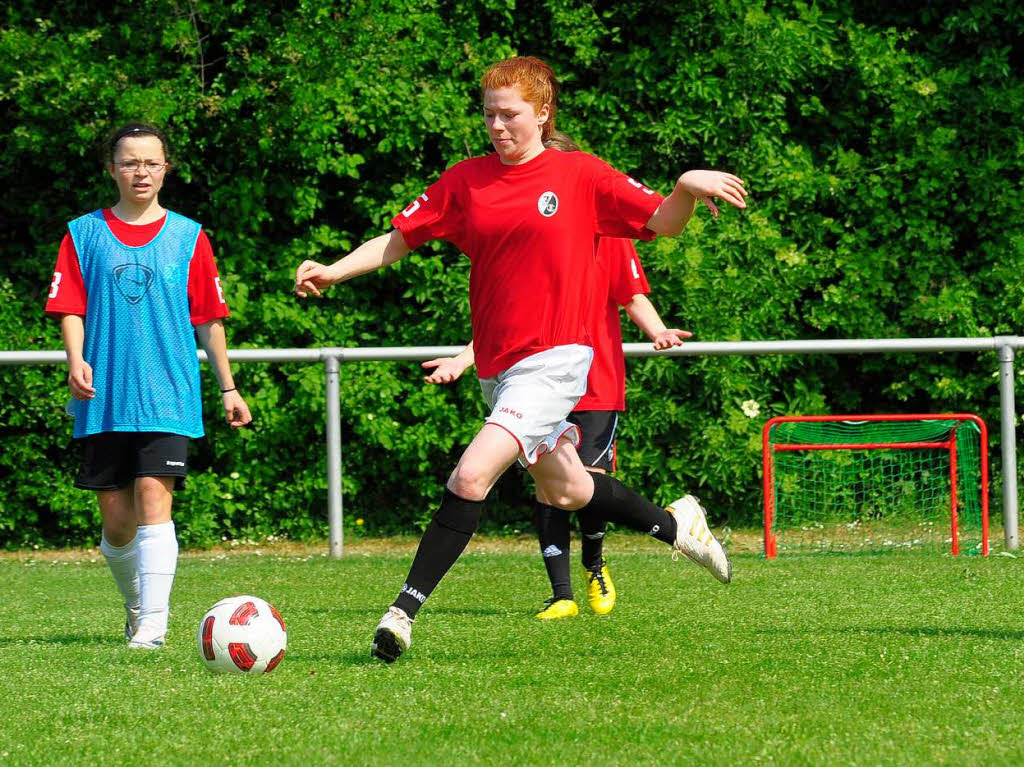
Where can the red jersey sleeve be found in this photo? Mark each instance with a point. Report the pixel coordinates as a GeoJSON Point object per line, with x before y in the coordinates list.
{"type": "Point", "coordinates": [624, 206]}
{"type": "Point", "coordinates": [626, 273]}
{"type": "Point", "coordinates": [205, 295]}
{"type": "Point", "coordinates": [67, 290]}
{"type": "Point", "coordinates": [431, 216]}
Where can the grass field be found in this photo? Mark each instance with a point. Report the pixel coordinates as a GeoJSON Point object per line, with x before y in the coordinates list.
{"type": "Point", "coordinates": [882, 659]}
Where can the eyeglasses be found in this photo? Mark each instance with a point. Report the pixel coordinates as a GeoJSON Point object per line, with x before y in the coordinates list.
{"type": "Point", "coordinates": [131, 166]}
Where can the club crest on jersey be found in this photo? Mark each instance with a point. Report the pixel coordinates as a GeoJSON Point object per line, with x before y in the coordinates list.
{"type": "Point", "coordinates": [547, 204]}
{"type": "Point", "coordinates": [133, 281]}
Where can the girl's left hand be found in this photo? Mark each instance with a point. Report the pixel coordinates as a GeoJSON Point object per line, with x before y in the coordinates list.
{"type": "Point", "coordinates": [236, 412]}
{"type": "Point", "coordinates": [705, 185]}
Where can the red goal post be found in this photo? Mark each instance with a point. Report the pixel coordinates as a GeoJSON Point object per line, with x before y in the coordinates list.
{"type": "Point", "coordinates": [956, 445]}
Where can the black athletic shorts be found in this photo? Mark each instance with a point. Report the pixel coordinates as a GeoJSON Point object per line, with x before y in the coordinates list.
{"type": "Point", "coordinates": [597, 446]}
{"type": "Point", "coordinates": [113, 459]}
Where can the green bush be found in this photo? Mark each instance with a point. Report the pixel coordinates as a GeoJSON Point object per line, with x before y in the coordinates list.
{"type": "Point", "coordinates": [882, 150]}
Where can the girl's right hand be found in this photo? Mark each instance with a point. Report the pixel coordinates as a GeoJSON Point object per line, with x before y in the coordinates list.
{"type": "Point", "coordinates": [311, 276]}
{"type": "Point", "coordinates": [446, 370]}
{"type": "Point", "coordinates": [80, 380]}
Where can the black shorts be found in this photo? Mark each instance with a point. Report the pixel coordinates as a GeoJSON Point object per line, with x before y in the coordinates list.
{"type": "Point", "coordinates": [113, 459]}
{"type": "Point", "coordinates": [597, 446]}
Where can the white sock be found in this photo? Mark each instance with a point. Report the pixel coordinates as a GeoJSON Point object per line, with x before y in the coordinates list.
{"type": "Point", "coordinates": [123, 561]}
{"type": "Point", "coordinates": [158, 559]}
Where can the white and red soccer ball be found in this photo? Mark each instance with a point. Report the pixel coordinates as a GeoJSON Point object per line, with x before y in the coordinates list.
{"type": "Point", "coordinates": [243, 635]}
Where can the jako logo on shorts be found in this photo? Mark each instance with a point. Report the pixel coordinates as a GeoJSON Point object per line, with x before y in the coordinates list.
{"type": "Point", "coordinates": [547, 204]}
{"type": "Point", "coordinates": [511, 412]}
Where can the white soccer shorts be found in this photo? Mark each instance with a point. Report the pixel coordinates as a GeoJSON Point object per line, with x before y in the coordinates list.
{"type": "Point", "coordinates": [531, 399]}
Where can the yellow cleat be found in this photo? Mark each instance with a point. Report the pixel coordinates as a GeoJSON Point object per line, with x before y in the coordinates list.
{"type": "Point", "coordinates": [558, 608]}
{"type": "Point", "coordinates": [600, 589]}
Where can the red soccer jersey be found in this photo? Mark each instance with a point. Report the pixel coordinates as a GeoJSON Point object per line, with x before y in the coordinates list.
{"type": "Point", "coordinates": [619, 276]}
{"type": "Point", "coordinates": [205, 297]}
{"type": "Point", "coordinates": [528, 231]}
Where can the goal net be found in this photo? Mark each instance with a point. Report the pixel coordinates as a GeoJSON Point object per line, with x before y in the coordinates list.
{"type": "Point", "coordinates": [859, 483]}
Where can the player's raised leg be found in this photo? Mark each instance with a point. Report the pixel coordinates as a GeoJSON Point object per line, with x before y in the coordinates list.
{"type": "Point", "coordinates": [490, 453]}
{"type": "Point", "coordinates": [682, 525]}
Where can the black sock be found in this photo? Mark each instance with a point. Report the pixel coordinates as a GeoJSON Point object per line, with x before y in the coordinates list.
{"type": "Point", "coordinates": [592, 530]}
{"type": "Point", "coordinates": [553, 534]}
{"type": "Point", "coordinates": [614, 502]}
{"type": "Point", "coordinates": [443, 541]}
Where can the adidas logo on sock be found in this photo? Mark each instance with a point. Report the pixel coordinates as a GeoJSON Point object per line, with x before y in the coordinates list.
{"type": "Point", "coordinates": [551, 551]}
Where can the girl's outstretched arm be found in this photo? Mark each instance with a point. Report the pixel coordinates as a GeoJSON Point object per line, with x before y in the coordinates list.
{"type": "Point", "coordinates": [675, 210]}
{"type": "Point", "coordinates": [373, 254]}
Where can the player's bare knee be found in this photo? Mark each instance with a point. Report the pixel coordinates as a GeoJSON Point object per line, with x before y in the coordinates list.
{"type": "Point", "coordinates": [568, 496]}
{"type": "Point", "coordinates": [151, 487]}
{"type": "Point", "coordinates": [469, 484]}
{"type": "Point", "coordinates": [153, 500]}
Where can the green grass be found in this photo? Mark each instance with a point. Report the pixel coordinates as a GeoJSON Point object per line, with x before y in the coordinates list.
{"type": "Point", "coordinates": [887, 659]}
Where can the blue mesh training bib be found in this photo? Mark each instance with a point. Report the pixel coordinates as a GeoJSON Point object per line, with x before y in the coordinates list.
{"type": "Point", "coordinates": [138, 336]}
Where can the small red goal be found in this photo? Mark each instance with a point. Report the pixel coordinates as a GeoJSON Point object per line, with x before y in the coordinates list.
{"type": "Point", "coordinates": [868, 483]}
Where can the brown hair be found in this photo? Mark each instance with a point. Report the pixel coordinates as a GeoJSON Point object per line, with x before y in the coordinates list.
{"type": "Point", "coordinates": [534, 80]}
{"type": "Point", "coordinates": [131, 130]}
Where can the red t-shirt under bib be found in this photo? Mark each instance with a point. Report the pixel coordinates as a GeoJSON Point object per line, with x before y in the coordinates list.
{"type": "Point", "coordinates": [205, 297]}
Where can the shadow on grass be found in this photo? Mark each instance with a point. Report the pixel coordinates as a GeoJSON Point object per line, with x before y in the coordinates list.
{"type": "Point", "coordinates": [913, 631]}
{"type": "Point", "coordinates": [64, 639]}
{"type": "Point", "coordinates": [932, 631]}
{"type": "Point", "coordinates": [378, 611]}
{"type": "Point", "coordinates": [340, 659]}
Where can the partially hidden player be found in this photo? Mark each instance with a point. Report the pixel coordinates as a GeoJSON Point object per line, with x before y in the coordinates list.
{"type": "Point", "coordinates": [134, 285]}
{"type": "Point", "coordinates": [618, 281]}
{"type": "Point", "coordinates": [527, 219]}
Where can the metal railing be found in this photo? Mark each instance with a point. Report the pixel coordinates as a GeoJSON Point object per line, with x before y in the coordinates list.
{"type": "Point", "coordinates": [333, 357]}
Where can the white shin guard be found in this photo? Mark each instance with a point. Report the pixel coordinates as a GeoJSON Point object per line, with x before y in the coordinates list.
{"type": "Point", "coordinates": [123, 562]}
{"type": "Point", "coordinates": [158, 560]}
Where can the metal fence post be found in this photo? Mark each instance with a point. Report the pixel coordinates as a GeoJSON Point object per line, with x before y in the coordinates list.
{"type": "Point", "coordinates": [1008, 432]}
{"type": "Point", "coordinates": [332, 366]}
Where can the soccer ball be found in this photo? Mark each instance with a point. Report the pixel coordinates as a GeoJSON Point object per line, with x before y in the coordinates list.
{"type": "Point", "coordinates": [243, 634]}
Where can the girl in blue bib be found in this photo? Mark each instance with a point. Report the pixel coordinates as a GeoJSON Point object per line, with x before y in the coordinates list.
{"type": "Point", "coordinates": [134, 286]}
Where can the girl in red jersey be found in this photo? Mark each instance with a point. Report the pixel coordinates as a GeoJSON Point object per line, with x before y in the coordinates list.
{"type": "Point", "coordinates": [133, 287]}
{"type": "Point", "coordinates": [527, 219]}
{"type": "Point", "coordinates": [619, 281]}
